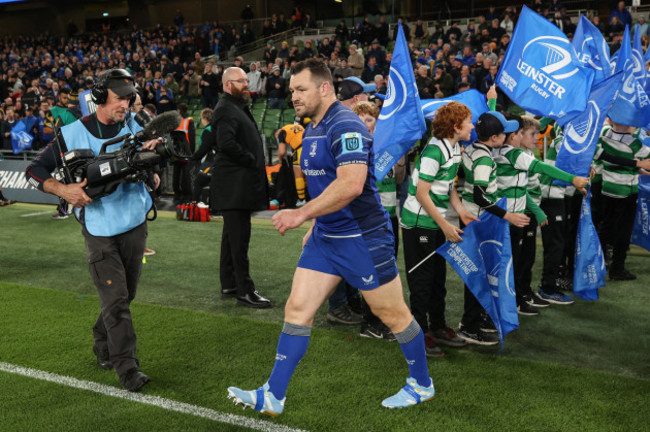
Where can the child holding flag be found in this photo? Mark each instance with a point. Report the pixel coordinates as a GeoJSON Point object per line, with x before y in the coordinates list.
{"type": "Point", "coordinates": [513, 167]}
{"type": "Point", "coordinates": [425, 228]}
{"type": "Point", "coordinates": [479, 195]}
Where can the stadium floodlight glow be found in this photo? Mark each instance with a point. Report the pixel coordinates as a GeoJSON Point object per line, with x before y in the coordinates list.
{"type": "Point", "coordinates": [105, 14]}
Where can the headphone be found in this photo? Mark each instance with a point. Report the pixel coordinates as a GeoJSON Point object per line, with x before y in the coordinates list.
{"type": "Point", "coordinates": [99, 93]}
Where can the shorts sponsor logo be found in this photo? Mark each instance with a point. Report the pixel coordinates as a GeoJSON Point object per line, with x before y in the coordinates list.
{"type": "Point", "coordinates": [280, 357]}
{"type": "Point", "coordinates": [424, 239]}
{"type": "Point", "coordinates": [367, 281]}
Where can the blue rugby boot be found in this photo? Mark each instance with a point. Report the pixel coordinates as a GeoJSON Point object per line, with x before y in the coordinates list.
{"type": "Point", "coordinates": [261, 400]}
{"type": "Point", "coordinates": [411, 394]}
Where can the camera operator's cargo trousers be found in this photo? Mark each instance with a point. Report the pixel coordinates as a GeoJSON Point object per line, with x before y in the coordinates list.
{"type": "Point", "coordinates": [115, 264]}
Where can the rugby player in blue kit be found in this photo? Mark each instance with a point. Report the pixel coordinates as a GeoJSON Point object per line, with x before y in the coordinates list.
{"type": "Point", "coordinates": [350, 238]}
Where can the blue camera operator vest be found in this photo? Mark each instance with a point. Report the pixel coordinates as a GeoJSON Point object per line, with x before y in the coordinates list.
{"type": "Point", "coordinates": [124, 209]}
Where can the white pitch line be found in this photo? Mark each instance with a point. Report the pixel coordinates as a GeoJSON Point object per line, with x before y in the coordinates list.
{"type": "Point", "coordinates": [36, 214]}
{"type": "Point", "coordinates": [168, 404]}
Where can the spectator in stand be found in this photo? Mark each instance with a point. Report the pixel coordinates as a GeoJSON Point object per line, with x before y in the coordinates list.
{"type": "Point", "coordinates": [377, 52]}
{"type": "Point", "coordinates": [308, 22]}
{"type": "Point", "coordinates": [209, 86]}
{"type": "Point", "coordinates": [622, 14]}
{"type": "Point", "coordinates": [507, 24]}
{"type": "Point", "coordinates": [456, 64]}
{"type": "Point", "coordinates": [423, 82]}
{"type": "Point", "coordinates": [325, 50]}
{"type": "Point", "coordinates": [466, 78]}
{"type": "Point", "coordinates": [190, 84]}
{"type": "Point", "coordinates": [441, 61]}
{"type": "Point", "coordinates": [558, 20]}
{"type": "Point", "coordinates": [275, 89]}
{"type": "Point", "coordinates": [643, 27]}
{"type": "Point", "coordinates": [283, 25]}
{"type": "Point", "coordinates": [284, 52]}
{"type": "Point", "coordinates": [496, 31]}
{"type": "Point", "coordinates": [483, 23]}
{"type": "Point", "coordinates": [599, 25]}
{"type": "Point", "coordinates": [172, 84]}
{"type": "Point", "coordinates": [307, 51]}
{"type": "Point", "coordinates": [381, 31]}
{"type": "Point", "coordinates": [341, 33]}
{"type": "Point", "coordinates": [246, 34]}
{"type": "Point", "coordinates": [270, 52]}
{"type": "Point", "coordinates": [492, 14]}
{"type": "Point", "coordinates": [454, 30]}
{"type": "Point", "coordinates": [356, 60]}
{"type": "Point", "coordinates": [341, 72]}
{"type": "Point", "coordinates": [486, 50]}
{"type": "Point", "coordinates": [296, 18]}
{"type": "Point", "coordinates": [380, 84]}
{"type": "Point", "coordinates": [615, 28]}
{"type": "Point", "coordinates": [555, 6]}
{"type": "Point", "coordinates": [164, 97]}
{"type": "Point", "coordinates": [370, 70]}
{"type": "Point", "coordinates": [481, 68]}
{"type": "Point", "coordinates": [438, 33]}
{"type": "Point", "coordinates": [503, 43]}
{"type": "Point", "coordinates": [468, 57]}
{"type": "Point", "coordinates": [442, 81]}
{"type": "Point", "coordinates": [405, 27]}
{"type": "Point", "coordinates": [569, 28]}
{"type": "Point", "coordinates": [254, 81]}
{"type": "Point", "coordinates": [419, 33]}
{"type": "Point", "coordinates": [267, 30]}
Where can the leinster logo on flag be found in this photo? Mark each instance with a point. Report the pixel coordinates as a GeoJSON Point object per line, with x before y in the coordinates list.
{"type": "Point", "coordinates": [494, 248]}
{"type": "Point", "coordinates": [547, 61]}
{"type": "Point", "coordinates": [582, 133]}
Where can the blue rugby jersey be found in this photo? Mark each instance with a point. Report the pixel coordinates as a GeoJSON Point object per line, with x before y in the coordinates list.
{"type": "Point", "coordinates": [341, 138]}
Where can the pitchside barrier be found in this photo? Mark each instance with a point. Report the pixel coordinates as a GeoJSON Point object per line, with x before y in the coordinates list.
{"type": "Point", "coordinates": [16, 187]}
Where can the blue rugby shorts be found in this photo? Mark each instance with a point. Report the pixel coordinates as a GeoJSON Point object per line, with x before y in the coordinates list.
{"type": "Point", "coordinates": [365, 261]}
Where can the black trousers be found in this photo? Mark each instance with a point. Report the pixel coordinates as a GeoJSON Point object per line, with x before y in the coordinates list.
{"type": "Point", "coordinates": [528, 248]}
{"type": "Point", "coordinates": [234, 270]}
{"type": "Point", "coordinates": [618, 224]}
{"type": "Point", "coordinates": [427, 282]}
{"type": "Point", "coordinates": [553, 239]}
{"type": "Point", "coordinates": [115, 264]}
{"type": "Point", "coordinates": [516, 244]}
{"type": "Point", "coordinates": [182, 182]}
{"type": "Point", "coordinates": [572, 206]}
{"type": "Point", "coordinates": [597, 206]}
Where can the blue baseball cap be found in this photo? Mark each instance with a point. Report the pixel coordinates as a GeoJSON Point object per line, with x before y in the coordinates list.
{"type": "Point", "coordinates": [367, 88]}
{"type": "Point", "coordinates": [493, 123]}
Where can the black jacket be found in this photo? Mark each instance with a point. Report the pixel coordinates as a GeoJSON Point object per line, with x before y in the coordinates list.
{"type": "Point", "coordinates": [239, 177]}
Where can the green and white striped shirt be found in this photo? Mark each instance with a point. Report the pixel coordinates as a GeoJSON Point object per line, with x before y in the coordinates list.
{"type": "Point", "coordinates": [388, 193]}
{"type": "Point", "coordinates": [621, 181]}
{"type": "Point", "coordinates": [438, 165]}
{"type": "Point", "coordinates": [534, 189]}
{"type": "Point", "coordinates": [549, 190]}
{"type": "Point", "coordinates": [480, 169]}
{"type": "Point", "coordinates": [513, 165]}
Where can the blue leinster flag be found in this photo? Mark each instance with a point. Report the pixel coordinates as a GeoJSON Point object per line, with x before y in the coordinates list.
{"type": "Point", "coordinates": [472, 99]}
{"type": "Point", "coordinates": [20, 138]}
{"type": "Point", "coordinates": [541, 71]}
{"type": "Point", "coordinates": [589, 273]}
{"type": "Point", "coordinates": [592, 49]}
{"type": "Point", "coordinates": [641, 231]}
{"type": "Point", "coordinates": [632, 105]}
{"type": "Point", "coordinates": [483, 260]}
{"type": "Point", "coordinates": [400, 122]}
{"type": "Point", "coordinates": [581, 132]}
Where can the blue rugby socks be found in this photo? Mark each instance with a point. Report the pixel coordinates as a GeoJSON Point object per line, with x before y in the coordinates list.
{"type": "Point", "coordinates": [292, 346]}
{"type": "Point", "coordinates": [412, 342]}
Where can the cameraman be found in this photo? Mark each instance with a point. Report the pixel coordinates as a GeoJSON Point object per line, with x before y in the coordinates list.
{"type": "Point", "coordinates": [114, 226]}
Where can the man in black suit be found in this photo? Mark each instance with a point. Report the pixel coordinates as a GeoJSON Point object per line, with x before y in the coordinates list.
{"type": "Point", "coordinates": [239, 184]}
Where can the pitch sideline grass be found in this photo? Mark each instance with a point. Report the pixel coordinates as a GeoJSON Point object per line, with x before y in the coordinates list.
{"type": "Point", "coordinates": [193, 356]}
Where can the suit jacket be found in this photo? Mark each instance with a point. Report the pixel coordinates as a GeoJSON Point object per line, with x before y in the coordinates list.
{"type": "Point", "coordinates": [239, 179]}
